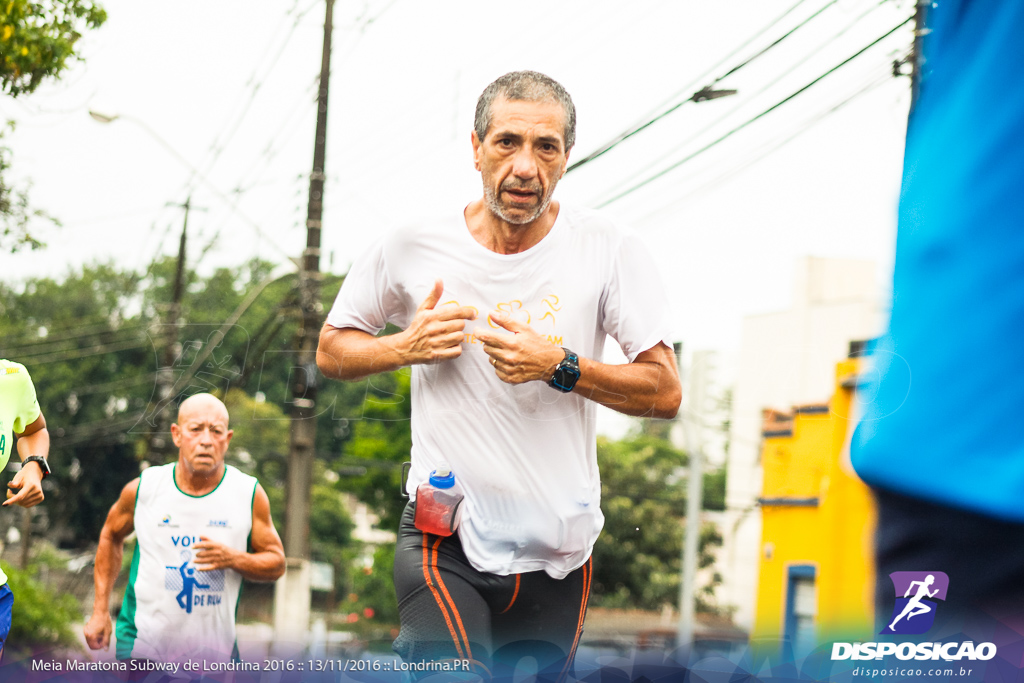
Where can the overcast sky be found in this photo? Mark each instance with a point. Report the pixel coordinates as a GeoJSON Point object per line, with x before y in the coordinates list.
{"type": "Point", "coordinates": [229, 85]}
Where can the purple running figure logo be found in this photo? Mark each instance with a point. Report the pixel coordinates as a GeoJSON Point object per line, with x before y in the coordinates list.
{"type": "Point", "coordinates": [916, 595]}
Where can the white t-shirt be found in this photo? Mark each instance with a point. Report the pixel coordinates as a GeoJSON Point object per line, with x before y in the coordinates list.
{"type": "Point", "coordinates": [525, 455]}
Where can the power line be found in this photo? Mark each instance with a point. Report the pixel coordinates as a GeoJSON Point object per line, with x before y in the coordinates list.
{"type": "Point", "coordinates": [218, 149]}
{"type": "Point", "coordinates": [772, 148]}
{"type": "Point", "coordinates": [696, 136]}
{"type": "Point", "coordinates": [91, 431]}
{"type": "Point", "coordinates": [366, 22]}
{"type": "Point", "coordinates": [803, 128]}
{"type": "Point", "coordinates": [755, 118]}
{"type": "Point", "coordinates": [622, 137]}
{"type": "Point", "coordinates": [689, 88]}
{"type": "Point", "coordinates": [107, 386]}
{"type": "Point", "coordinates": [262, 162]}
{"type": "Point", "coordinates": [63, 337]}
{"type": "Point", "coordinates": [58, 357]}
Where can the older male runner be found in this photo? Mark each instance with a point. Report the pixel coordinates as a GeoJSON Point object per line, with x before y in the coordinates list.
{"type": "Point", "coordinates": [508, 402]}
{"type": "Point", "coordinates": [20, 414]}
{"type": "Point", "coordinates": [193, 521]}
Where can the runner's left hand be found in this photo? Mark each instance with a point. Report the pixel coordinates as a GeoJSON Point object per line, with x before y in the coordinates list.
{"type": "Point", "coordinates": [210, 555]}
{"type": "Point", "coordinates": [520, 357]}
{"type": "Point", "coordinates": [26, 488]}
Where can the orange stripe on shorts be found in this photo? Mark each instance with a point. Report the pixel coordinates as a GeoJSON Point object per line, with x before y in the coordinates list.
{"type": "Point", "coordinates": [451, 603]}
{"type": "Point", "coordinates": [440, 601]}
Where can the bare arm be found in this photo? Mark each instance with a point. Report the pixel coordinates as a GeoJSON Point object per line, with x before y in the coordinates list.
{"type": "Point", "coordinates": [28, 482]}
{"type": "Point", "coordinates": [434, 335]}
{"type": "Point", "coordinates": [120, 522]}
{"type": "Point", "coordinates": [647, 387]}
{"type": "Point", "coordinates": [264, 563]}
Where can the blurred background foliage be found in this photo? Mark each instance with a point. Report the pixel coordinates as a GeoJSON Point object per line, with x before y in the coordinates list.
{"type": "Point", "coordinates": [93, 340]}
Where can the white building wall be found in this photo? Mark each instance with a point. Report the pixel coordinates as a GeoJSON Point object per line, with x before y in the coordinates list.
{"type": "Point", "coordinates": [786, 359]}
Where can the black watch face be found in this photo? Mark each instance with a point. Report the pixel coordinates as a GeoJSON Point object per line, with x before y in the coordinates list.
{"type": "Point", "coordinates": [565, 378]}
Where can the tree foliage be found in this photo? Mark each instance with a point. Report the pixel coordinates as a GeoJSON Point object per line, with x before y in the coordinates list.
{"type": "Point", "coordinates": [37, 42]}
{"type": "Point", "coordinates": [258, 448]}
{"type": "Point", "coordinates": [637, 558]}
{"type": "Point", "coordinates": [43, 620]}
{"type": "Point", "coordinates": [93, 339]}
{"type": "Point", "coordinates": [382, 440]}
{"type": "Point", "coordinates": [92, 342]}
{"type": "Point", "coordinates": [17, 217]}
{"type": "Point", "coordinates": [373, 588]}
{"type": "Point", "coordinates": [37, 39]}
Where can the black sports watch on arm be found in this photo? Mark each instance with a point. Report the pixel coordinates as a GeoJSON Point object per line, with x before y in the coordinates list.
{"type": "Point", "coordinates": [39, 460]}
{"type": "Point", "coordinates": [566, 372]}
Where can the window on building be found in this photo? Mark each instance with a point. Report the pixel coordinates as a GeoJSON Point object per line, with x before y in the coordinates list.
{"type": "Point", "coordinates": [801, 609]}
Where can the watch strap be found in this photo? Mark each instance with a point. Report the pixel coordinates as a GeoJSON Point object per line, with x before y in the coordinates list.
{"type": "Point", "coordinates": [43, 465]}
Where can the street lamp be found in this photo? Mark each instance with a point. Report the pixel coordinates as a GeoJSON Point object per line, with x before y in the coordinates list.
{"type": "Point", "coordinates": [103, 118]}
{"type": "Point", "coordinates": [157, 443]}
{"type": "Point", "coordinates": [232, 202]}
{"type": "Point", "coordinates": [110, 118]}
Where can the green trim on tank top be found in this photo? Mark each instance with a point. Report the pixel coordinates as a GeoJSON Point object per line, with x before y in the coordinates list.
{"type": "Point", "coordinates": [175, 480]}
{"type": "Point", "coordinates": [125, 631]}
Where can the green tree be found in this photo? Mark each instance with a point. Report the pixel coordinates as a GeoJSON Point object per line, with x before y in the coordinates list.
{"type": "Point", "coordinates": [44, 621]}
{"type": "Point", "coordinates": [637, 558]}
{"type": "Point", "coordinates": [258, 446]}
{"type": "Point", "coordinates": [92, 341]}
{"type": "Point", "coordinates": [37, 39]}
{"type": "Point", "coordinates": [373, 588]}
{"type": "Point", "coordinates": [92, 364]}
{"type": "Point", "coordinates": [381, 441]}
{"type": "Point", "coordinates": [37, 42]}
{"type": "Point", "coordinates": [17, 217]}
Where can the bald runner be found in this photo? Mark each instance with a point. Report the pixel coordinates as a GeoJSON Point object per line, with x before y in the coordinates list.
{"type": "Point", "coordinates": [201, 527]}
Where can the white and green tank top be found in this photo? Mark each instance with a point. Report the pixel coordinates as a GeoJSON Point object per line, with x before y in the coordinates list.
{"type": "Point", "coordinates": [171, 610]}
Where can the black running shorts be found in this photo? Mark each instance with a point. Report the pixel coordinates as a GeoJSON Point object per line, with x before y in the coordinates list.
{"type": "Point", "coordinates": [499, 624]}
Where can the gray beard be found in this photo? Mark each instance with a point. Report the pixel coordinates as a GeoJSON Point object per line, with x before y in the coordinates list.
{"type": "Point", "coordinates": [499, 211]}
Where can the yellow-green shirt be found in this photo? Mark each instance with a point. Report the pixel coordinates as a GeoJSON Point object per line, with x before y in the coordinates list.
{"type": "Point", "coordinates": [18, 409]}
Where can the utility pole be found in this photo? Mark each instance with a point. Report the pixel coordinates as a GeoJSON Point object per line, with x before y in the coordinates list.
{"type": "Point", "coordinates": [159, 438]}
{"type": "Point", "coordinates": [920, 31]}
{"type": "Point", "coordinates": [694, 499]}
{"type": "Point", "coordinates": [292, 596]}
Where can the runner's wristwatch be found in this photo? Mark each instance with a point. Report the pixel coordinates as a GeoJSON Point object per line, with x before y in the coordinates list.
{"type": "Point", "coordinates": [566, 373]}
{"type": "Point", "coordinates": [42, 464]}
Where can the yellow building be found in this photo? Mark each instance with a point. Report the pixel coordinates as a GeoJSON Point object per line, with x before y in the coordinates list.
{"type": "Point", "coordinates": [816, 578]}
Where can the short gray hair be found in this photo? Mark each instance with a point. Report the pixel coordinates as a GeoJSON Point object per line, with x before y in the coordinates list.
{"type": "Point", "coordinates": [528, 86]}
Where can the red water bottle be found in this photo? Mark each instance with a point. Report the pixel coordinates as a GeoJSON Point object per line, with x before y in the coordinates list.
{"type": "Point", "coordinates": [437, 503]}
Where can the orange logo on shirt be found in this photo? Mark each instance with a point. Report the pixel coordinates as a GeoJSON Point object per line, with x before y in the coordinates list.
{"type": "Point", "coordinates": [476, 312]}
{"type": "Point", "coordinates": [515, 309]}
{"type": "Point", "coordinates": [553, 305]}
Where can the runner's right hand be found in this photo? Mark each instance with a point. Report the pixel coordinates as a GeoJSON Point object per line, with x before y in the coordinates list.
{"type": "Point", "coordinates": [435, 334]}
{"type": "Point", "coordinates": [97, 631]}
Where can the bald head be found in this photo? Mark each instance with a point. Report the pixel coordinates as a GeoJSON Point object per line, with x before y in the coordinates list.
{"type": "Point", "coordinates": [202, 437]}
{"type": "Point", "coordinates": [204, 407]}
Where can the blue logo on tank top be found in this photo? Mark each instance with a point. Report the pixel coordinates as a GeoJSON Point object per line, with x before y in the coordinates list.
{"type": "Point", "coordinates": [194, 588]}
